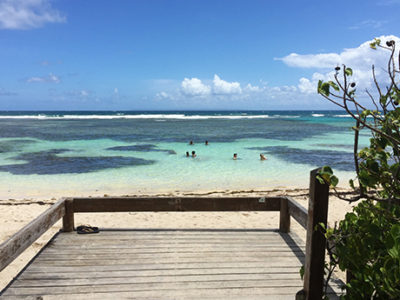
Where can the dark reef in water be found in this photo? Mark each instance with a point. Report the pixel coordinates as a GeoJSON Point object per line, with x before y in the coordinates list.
{"type": "Point", "coordinates": [14, 145]}
{"type": "Point", "coordinates": [49, 163]}
{"type": "Point", "coordinates": [339, 160]}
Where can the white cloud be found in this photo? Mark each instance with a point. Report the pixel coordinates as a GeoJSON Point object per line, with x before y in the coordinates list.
{"type": "Point", "coordinates": [360, 59]}
{"type": "Point", "coordinates": [116, 91]}
{"type": "Point", "coordinates": [220, 93]}
{"type": "Point", "coordinates": [195, 87]}
{"type": "Point", "coordinates": [327, 60]}
{"type": "Point", "coordinates": [222, 87]}
{"type": "Point", "coordinates": [163, 96]}
{"type": "Point", "coordinates": [84, 93]}
{"type": "Point", "coordinates": [309, 86]}
{"type": "Point", "coordinates": [50, 78]}
{"type": "Point", "coordinates": [251, 88]}
{"type": "Point", "coordinates": [27, 14]}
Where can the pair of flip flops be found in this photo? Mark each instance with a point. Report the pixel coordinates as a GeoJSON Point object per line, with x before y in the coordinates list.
{"type": "Point", "coordinates": [86, 229]}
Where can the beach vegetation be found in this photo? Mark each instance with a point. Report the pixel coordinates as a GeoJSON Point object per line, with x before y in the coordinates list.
{"type": "Point", "coordinates": [366, 243]}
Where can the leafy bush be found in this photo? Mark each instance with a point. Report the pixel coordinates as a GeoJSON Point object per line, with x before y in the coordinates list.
{"type": "Point", "coordinates": [367, 242]}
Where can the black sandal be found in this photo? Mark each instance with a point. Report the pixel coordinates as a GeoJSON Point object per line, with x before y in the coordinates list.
{"type": "Point", "coordinates": [86, 229]}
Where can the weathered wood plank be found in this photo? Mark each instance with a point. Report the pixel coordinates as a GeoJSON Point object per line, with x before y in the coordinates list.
{"type": "Point", "coordinates": [284, 216]}
{"type": "Point", "coordinates": [138, 266]}
{"type": "Point", "coordinates": [193, 293]}
{"type": "Point", "coordinates": [272, 271]}
{"type": "Point", "coordinates": [114, 204]}
{"type": "Point", "coordinates": [316, 242]}
{"type": "Point", "coordinates": [269, 280]}
{"type": "Point", "coordinates": [105, 241]}
{"type": "Point", "coordinates": [134, 256]}
{"type": "Point", "coordinates": [132, 235]}
{"type": "Point", "coordinates": [68, 219]}
{"type": "Point", "coordinates": [265, 261]}
{"type": "Point", "coordinates": [126, 238]}
{"type": "Point", "coordinates": [246, 251]}
{"type": "Point", "coordinates": [57, 273]}
{"type": "Point", "coordinates": [277, 284]}
{"type": "Point", "coordinates": [16, 244]}
{"type": "Point", "coordinates": [186, 232]}
{"type": "Point", "coordinates": [298, 212]}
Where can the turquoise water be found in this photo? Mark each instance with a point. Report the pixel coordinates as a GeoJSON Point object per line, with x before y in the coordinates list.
{"type": "Point", "coordinates": [52, 154]}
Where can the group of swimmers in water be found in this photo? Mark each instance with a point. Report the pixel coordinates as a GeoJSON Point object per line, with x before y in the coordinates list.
{"type": "Point", "coordinates": [235, 156]}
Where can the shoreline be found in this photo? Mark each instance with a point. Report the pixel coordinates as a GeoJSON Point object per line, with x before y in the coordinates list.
{"type": "Point", "coordinates": [16, 213]}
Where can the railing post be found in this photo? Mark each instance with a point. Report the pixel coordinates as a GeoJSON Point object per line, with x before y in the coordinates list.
{"type": "Point", "coordinates": [284, 216]}
{"type": "Point", "coordinates": [68, 219]}
{"type": "Point", "coordinates": [316, 242]}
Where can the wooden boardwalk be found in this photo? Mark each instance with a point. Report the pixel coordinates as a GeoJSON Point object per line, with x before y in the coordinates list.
{"type": "Point", "coordinates": [165, 264]}
{"type": "Point", "coordinates": [171, 263]}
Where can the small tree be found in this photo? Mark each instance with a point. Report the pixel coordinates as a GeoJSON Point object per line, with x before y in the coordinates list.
{"type": "Point", "coordinates": [367, 242]}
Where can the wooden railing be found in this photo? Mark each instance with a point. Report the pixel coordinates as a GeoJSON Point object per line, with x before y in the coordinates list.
{"type": "Point", "coordinates": [315, 244]}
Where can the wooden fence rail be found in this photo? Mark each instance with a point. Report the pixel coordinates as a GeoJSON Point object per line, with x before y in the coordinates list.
{"type": "Point", "coordinates": [315, 244]}
{"type": "Point", "coordinates": [16, 244]}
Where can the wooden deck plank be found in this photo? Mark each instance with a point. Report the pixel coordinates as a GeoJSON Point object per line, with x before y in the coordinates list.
{"type": "Point", "coordinates": [278, 285]}
{"type": "Point", "coordinates": [266, 272]}
{"type": "Point", "coordinates": [162, 255]}
{"type": "Point", "coordinates": [105, 251]}
{"type": "Point", "coordinates": [165, 265]}
{"type": "Point", "coordinates": [231, 293]}
{"type": "Point", "coordinates": [159, 272]}
{"type": "Point", "coordinates": [267, 279]}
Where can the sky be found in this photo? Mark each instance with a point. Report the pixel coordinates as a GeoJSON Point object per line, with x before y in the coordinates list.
{"type": "Point", "coordinates": [186, 54]}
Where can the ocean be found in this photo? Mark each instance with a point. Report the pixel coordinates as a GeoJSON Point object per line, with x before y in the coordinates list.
{"type": "Point", "coordinates": [82, 153]}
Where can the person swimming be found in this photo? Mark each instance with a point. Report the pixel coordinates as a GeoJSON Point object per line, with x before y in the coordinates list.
{"type": "Point", "coordinates": [206, 143]}
{"type": "Point", "coordinates": [191, 143]}
{"type": "Point", "coordinates": [194, 154]}
{"type": "Point", "coordinates": [187, 154]}
{"type": "Point", "coordinates": [234, 156]}
{"type": "Point", "coordinates": [262, 157]}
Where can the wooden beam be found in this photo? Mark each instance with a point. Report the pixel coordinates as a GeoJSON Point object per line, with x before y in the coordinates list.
{"type": "Point", "coordinates": [121, 204]}
{"type": "Point", "coordinates": [14, 246]}
{"type": "Point", "coordinates": [298, 212]}
{"type": "Point", "coordinates": [68, 219]}
{"type": "Point", "coordinates": [316, 242]}
{"type": "Point", "coordinates": [284, 218]}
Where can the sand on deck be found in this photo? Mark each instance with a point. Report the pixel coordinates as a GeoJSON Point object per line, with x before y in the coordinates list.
{"type": "Point", "coordinates": [17, 213]}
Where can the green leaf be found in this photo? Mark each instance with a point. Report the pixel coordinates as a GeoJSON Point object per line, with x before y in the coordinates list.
{"type": "Point", "coordinates": [320, 179]}
{"type": "Point", "coordinates": [333, 85]}
{"type": "Point", "coordinates": [351, 183]}
{"type": "Point", "coordinates": [324, 89]}
{"type": "Point", "coordinates": [375, 43]}
{"type": "Point", "coordinates": [326, 169]}
{"type": "Point", "coordinates": [302, 272]}
{"type": "Point", "coordinates": [348, 71]}
{"type": "Point", "coordinates": [334, 180]}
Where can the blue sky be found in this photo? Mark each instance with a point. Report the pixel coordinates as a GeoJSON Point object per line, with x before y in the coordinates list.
{"type": "Point", "coordinates": [153, 55]}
